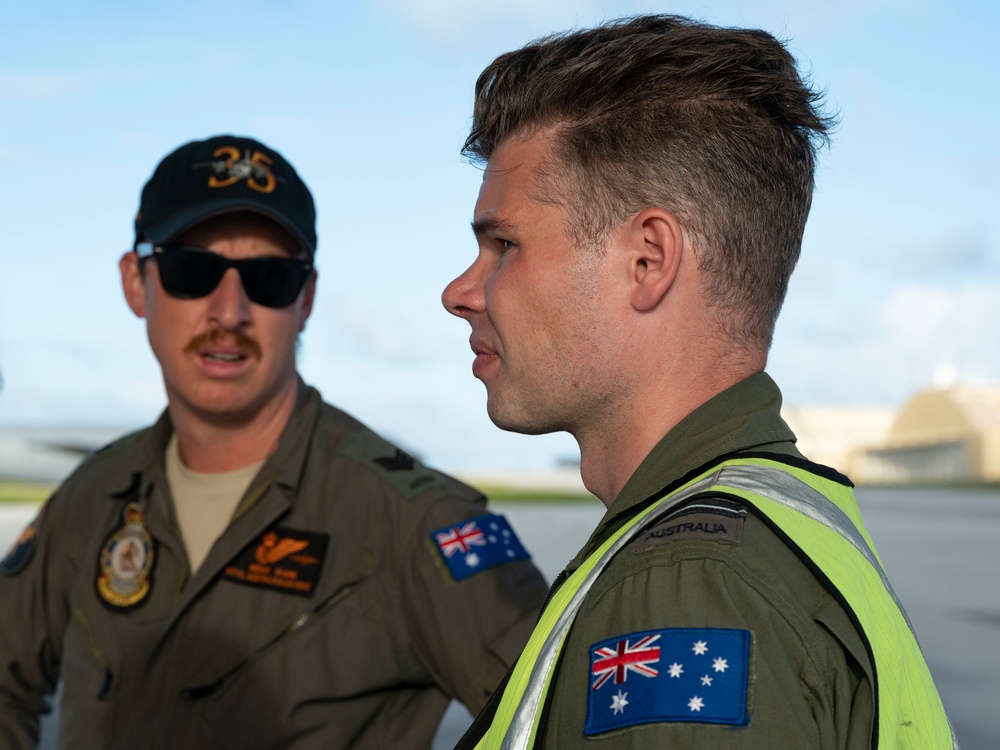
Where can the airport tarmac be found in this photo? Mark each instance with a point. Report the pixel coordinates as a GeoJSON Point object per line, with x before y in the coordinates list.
{"type": "Point", "coordinates": [939, 547]}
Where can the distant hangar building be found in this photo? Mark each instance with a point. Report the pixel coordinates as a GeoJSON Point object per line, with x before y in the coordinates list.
{"type": "Point", "coordinates": [840, 437]}
{"type": "Point", "coordinates": [941, 435]}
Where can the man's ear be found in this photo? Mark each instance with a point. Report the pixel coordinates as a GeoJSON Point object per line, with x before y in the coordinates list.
{"type": "Point", "coordinates": [133, 285]}
{"type": "Point", "coordinates": [657, 244]}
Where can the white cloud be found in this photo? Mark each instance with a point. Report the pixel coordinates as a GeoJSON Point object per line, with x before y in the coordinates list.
{"type": "Point", "coordinates": [914, 316]}
{"type": "Point", "coordinates": [883, 350]}
{"type": "Point", "coordinates": [38, 85]}
{"type": "Point", "coordinates": [397, 332]}
{"type": "Point", "coordinates": [824, 14]}
{"type": "Point", "coordinates": [447, 19]}
{"type": "Point", "coordinates": [959, 324]}
{"type": "Point", "coordinates": [919, 326]}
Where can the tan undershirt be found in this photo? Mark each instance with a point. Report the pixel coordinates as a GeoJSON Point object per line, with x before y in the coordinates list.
{"type": "Point", "coordinates": [204, 503]}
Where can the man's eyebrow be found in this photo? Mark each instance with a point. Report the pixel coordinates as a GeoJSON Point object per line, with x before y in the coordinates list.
{"type": "Point", "coordinates": [489, 224]}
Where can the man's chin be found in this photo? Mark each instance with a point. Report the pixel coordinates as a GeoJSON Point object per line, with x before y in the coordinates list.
{"type": "Point", "coordinates": [514, 421]}
{"type": "Point", "coordinates": [219, 406]}
{"type": "Point", "coordinates": [226, 415]}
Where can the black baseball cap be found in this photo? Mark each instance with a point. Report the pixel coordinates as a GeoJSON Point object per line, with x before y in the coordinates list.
{"type": "Point", "coordinates": [222, 174]}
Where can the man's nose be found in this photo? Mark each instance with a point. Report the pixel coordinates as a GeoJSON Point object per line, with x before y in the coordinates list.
{"type": "Point", "coordinates": [229, 305]}
{"type": "Point", "coordinates": [466, 295]}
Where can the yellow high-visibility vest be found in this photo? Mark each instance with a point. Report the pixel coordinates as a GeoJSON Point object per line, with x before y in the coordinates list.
{"type": "Point", "coordinates": [820, 517]}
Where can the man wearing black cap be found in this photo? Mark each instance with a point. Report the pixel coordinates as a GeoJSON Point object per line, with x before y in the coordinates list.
{"type": "Point", "coordinates": [257, 569]}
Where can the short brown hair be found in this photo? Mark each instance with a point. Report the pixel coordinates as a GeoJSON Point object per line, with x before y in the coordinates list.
{"type": "Point", "coordinates": [714, 124]}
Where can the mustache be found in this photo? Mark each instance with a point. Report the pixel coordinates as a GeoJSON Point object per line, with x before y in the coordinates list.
{"type": "Point", "coordinates": [215, 336]}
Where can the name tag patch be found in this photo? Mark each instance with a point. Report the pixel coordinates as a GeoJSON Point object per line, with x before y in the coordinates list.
{"type": "Point", "coordinates": [713, 520]}
{"type": "Point", "coordinates": [478, 544]}
{"type": "Point", "coordinates": [283, 559]}
{"type": "Point", "coordinates": [672, 675]}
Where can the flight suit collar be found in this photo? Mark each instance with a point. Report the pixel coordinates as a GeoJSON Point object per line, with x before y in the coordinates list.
{"type": "Point", "coordinates": [271, 492]}
{"type": "Point", "coordinates": [148, 454]}
{"type": "Point", "coordinates": [744, 417]}
{"type": "Point", "coordinates": [284, 467]}
{"type": "Point", "coordinates": [270, 495]}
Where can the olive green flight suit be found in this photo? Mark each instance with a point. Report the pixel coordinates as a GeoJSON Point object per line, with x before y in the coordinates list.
{"type": "Point", "coordinates": [323, 617]}
{"type": "Point", "coordinates": [714, 565]}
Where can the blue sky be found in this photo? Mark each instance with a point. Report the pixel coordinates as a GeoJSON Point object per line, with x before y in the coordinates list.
{"type": "Point", "coordinates": [900, 272]}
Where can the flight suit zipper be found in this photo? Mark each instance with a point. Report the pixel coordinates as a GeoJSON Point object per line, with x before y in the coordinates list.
{"type": "Point", "coordinates": [203, 691]}
{"type": "Point", "coordinates": [104, 689]}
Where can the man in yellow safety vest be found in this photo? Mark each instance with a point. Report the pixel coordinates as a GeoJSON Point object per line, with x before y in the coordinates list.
{"type": "Point", "coordinates": [646, 187]}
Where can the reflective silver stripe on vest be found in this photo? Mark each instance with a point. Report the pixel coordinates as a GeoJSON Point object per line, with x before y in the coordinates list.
{"type": "Point", "coordinates": [767, 481]}
{"type": "Point", "coordinates": [793, 493]}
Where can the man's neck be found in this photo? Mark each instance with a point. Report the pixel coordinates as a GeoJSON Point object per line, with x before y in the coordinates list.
{"type": "Point", "coordinates": [611, 452]}
{"type": "Point", "coordinates": [213, 445]}
{"type": "Point", "coordinates": [609, 458]}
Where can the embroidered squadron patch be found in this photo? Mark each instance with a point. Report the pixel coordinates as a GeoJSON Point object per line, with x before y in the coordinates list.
{"type": "Point", "coordinates": [478, 544]}
{"type": "Point", "coordinates": [20, 554]}
{"type": "Point", "coordinates": [283, 559]}
{"type": "Point", "coordinates": [125, 567]}
{"type": "Point", "coordinates": [672, 675]}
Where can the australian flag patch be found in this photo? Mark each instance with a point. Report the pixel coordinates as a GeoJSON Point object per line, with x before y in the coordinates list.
{"type": "Point", "coordinates": [676, 674]}
{"type": "Point", "coordinates": [478, 544]}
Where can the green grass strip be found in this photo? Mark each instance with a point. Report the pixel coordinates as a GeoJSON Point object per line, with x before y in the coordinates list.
{"type": "Point", "coordinates": [21, 492]}
{"type": "Point", "coordinates": [501, 493]}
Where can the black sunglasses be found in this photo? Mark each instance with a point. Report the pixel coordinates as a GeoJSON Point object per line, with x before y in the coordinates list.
{"type": "Point", "coordinates": [190, 272]}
